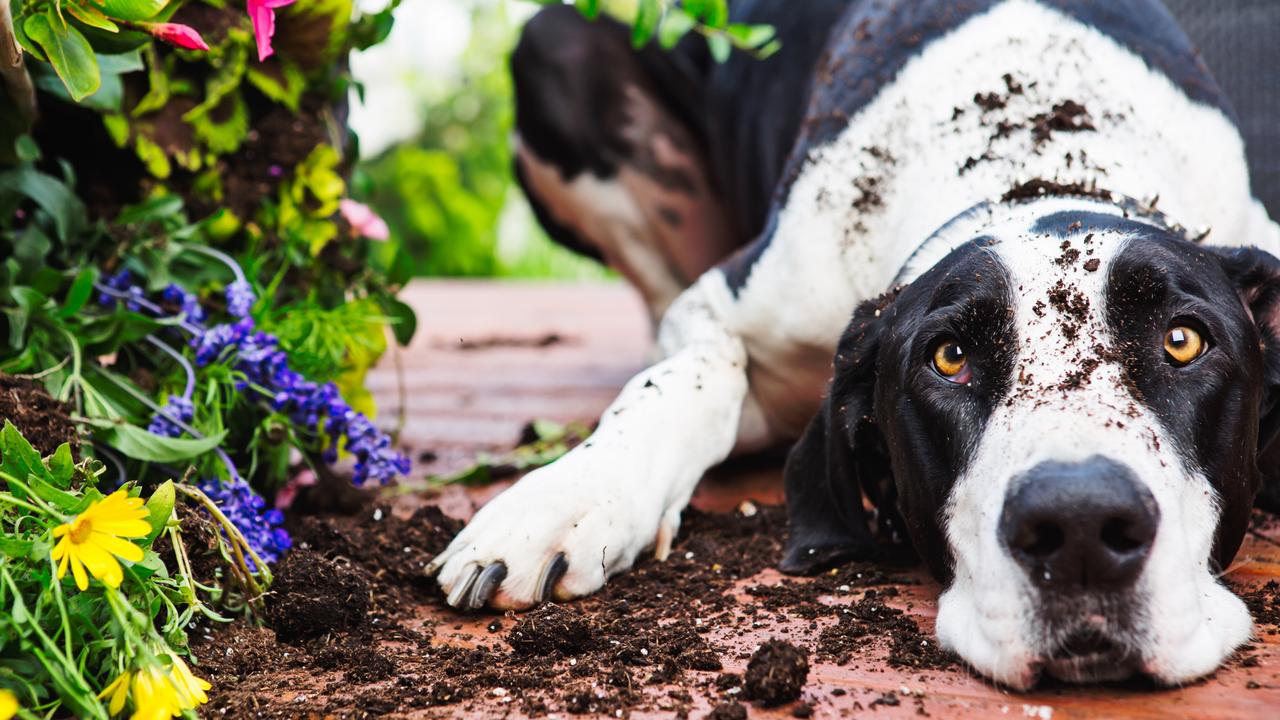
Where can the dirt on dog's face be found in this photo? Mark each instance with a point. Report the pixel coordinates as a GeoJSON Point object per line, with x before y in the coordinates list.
{"type": "Point", "coordinates": [1064, 417]}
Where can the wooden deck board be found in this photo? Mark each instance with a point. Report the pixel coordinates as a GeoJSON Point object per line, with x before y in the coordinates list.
{"type": "Point", "coordinates": [460, 401]}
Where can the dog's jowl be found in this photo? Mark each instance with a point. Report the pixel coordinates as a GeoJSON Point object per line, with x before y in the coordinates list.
{"type": "Point", "coordinates": [1025, 233]}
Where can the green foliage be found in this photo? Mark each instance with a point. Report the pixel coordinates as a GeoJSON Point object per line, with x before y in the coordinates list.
{"type": "Point", "coordinates": [668, 21]}
{"type": "Point", "coordinates": [549, 442]}
{"type": "Point", "coordinates": [448, 195]}
{"type": "Point", "coordinates": [67, 50]}
{"type": "Point", "coordinates": [59, 646]}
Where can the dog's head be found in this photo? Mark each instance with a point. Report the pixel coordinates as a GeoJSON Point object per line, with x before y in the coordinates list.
{"type": "Point", "coordinates": [1064, 414]}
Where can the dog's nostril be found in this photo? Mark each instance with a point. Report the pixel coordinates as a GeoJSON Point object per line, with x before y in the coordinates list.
{"type": "Point", "coordinates": [1044, 539]}
{"type": "Point", "coordinates": [1122, 536]}
{"type": "Point", "coordinates": [1085, 526]}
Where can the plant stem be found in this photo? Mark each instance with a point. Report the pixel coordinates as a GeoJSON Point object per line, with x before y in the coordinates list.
{"type": "Point", "coordinates": [181, 360]}
{"type": "Point", "coordinates": [190, 327]}
{"type": "Point", "coordinates": [222, 257]}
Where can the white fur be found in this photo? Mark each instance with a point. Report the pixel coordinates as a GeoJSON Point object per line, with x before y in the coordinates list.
{"type": "Point", "coordinates": [605, 501]}
{"type": "Point", "coordinates": [1189, 621]}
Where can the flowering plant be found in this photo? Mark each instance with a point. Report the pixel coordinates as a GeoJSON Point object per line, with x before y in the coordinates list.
{"type": "Point", "coordinates": [114, 631]}
{"type": "Point", "coordinates": [185, 280]}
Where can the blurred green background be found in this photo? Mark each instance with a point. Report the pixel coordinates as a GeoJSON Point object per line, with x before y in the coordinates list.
{"type": "Point", "coordinates": [435, 126]}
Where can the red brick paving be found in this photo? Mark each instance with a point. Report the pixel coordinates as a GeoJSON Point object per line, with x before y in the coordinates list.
{"type": "Point", "coordinates": [459, 402]}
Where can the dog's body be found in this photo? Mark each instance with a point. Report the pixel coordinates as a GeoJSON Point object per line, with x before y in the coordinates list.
{"type": "Point", "coordinates": [995, 167]}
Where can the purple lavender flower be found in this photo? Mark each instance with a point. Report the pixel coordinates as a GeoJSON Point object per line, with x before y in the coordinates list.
{"type": "Point", "coordinates": [211, 344]}
{"type": "Point", "coordinates": [258, 357]}
{"type": "Point", "coordinates": [189, 302]}
{"type": "Point", "coordinates": [180, 408]}
{"type": "Point", "coordinates": [260, 525]}
{"type": "Point", "coordinates": [240, 299]}
{"type": "Point", "coordinates": [121, 282]}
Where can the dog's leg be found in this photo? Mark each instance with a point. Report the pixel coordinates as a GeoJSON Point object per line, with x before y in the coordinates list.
{"type": "Point", "coordinates": [561, 531]}
{"type": "Point", "coordinates": [610, 155]}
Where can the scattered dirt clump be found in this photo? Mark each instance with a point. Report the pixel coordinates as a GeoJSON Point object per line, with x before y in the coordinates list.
{"type": "Point", "coordinates": [776, 673]}
{"type": "Point", "coordinates": [870, 618]}
{"type": "Point", "coordinates": [728, 711]}
{"type": "Point", "coordinates": [313, 595]}
{"type": "Point", "coordinates": [43, 421]}
{"type": "Point", "coordinates": [551, 628]}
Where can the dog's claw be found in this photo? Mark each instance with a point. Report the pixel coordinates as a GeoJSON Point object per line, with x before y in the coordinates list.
{"type": "Point", "coordinates": [551, 574]}
{"type": "Point", "coordinates": [667, 530]}
{"type": "Point", "coordinates": [486, 585]}
{"type": "Point", "coordinates": [463, 586]}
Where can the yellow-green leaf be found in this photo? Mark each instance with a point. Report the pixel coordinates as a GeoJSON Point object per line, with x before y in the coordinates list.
{"type": "Point", "coordinates": [68, 52]}
{"type": "Point", "coordinates": [91, 16]}
{"type": "Point", "coordinates": [160, 508]}
{"type": "Point", "coordinates": [132, 9]}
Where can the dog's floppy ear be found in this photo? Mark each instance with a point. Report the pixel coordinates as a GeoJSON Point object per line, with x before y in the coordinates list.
{"type": "Point", "coordinates": [840, 452]}
{"type": "Point", "coordinates": [1256, 275]}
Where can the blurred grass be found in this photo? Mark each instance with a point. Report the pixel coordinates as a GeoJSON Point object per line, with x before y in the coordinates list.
{"type": "Point", "coordinates": [448, 194]}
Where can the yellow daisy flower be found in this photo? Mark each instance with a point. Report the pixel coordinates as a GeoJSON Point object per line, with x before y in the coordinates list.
{"type": "Point", "coordinates": [94, 538]}
{"type": "Point", "coordinates": [154, 696]}
{"type": "Point", "coordinates": [8, 704]}
{"type": "Point", "coordinates": [118, 690]}
{"type": "Point", "coordinates": [158, 692]}
{"type": "Point", "coordinates": [191, 689]}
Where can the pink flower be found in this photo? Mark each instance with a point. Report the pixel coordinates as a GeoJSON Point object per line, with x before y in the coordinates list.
{"type": "Point", "coordinates": [181, 35]}
{"type": "Point", "coordinates": [289, 492]}
{"type": "Point", "coordinates": [262, 13]}
{"type": "Point", "coordinates": [363, 220]}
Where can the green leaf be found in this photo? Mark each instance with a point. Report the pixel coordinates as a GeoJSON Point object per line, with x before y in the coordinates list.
{"type": "Point", "coordinates": [712, 13]}
{"type": "Point", "coordinates": [404, 322]}
{"type": "Point", "coordinates": [720, 47]}
{"type": "Point", "coordinates": [160, 506]}
{"type": "Point", "coordinates": [78, 295]}
{"type": "Point", "coordinates": [152, 156]}
{"type": "Point", "coordinates": [676, 24]}
{"type": "Point", "coordinates": [750, 36]}
{"type": "Point", "coordinates": [139, 444]}
{"type": "Point", "coordinates": [68, 52]}
{"type": "Point", "coordinates": [589, 8]}
{"type": "Point", "coordinates": [61, 466]}
{"type": "Point", "coordinates": [64, 501]}
{"type": "Point", "coordinates": [15, 548]}
{"type": "Point", "coordinates": [17, 457]}
{"type": "Point", "coordinates": [648, 13]}
{"type": "Point", "coordinates": [28, 150]}
{"type": "Point", "coordinates": [91, 16]}
{"type": "Point", "coordinates": [132, 9]}
{"type": "Point", "coordinates": [52, 195]}
{"type": "Point", "coordinates": [279, 80]}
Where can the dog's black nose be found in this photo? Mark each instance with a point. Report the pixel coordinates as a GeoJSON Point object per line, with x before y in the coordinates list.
{"type": "Point", "coordinates": [1080, 526]}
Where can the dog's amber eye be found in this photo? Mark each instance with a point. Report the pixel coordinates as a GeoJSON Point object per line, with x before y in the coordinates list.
{"type": "Point", "coordinates": [949, 360]}
{"type": "Point", "coordinates": [1183, 344]}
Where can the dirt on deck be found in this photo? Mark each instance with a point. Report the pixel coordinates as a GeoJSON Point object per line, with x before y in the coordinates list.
{"type": "Point", "coordinates": [356, 629]}
{"type": "Point", "coordinates": [666, 639]}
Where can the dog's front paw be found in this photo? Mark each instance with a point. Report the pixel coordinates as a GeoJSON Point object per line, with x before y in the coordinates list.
{"type": "Point", "coordinates": [559, 533]}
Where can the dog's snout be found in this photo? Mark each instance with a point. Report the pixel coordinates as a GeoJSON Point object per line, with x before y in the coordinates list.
{"type": "Point", "coordinates": [1080, 526]}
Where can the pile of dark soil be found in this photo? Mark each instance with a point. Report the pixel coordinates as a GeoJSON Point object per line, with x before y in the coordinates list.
{"type": "Point", "coordinates": [41, 419]}
{"type": "Point", "coordinates": [356, 629]}
{"type": "Point", "coordinates": [776, 673]}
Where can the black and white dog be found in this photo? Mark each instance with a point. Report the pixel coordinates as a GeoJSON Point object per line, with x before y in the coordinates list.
{"type": "Point", "coordinates": [1060, 377]}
